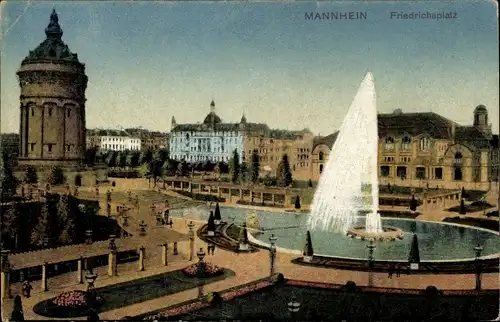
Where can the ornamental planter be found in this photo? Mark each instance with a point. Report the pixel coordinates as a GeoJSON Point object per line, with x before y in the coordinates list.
{"type": "Point", "coordinates": [210, 233]}
{"type": "Point", "coordinates": [217, 221]}
{"type": "Point", "coordinates": [243, 247]}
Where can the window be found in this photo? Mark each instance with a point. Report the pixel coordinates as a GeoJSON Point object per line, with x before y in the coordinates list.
{"type": "Point", "coordinates": [32, 147]}
{"type": "Point", "coordinates": [401, 172]}
{"type": "Point", "coordinates": [457, 161]}
{"type": "Point", "coordinates": [424, 144]}
{"type": "Point", "coordinates": [438, 173]}
{"type": "Point", "coordinates": [385, 171]}
{"type": "Point", "coordinates": [321, 156]}
{"type": "Point", "coordinates": [68, 148]}
{"type": "Point", "coordinates": [420, 173]}
{"type": "Point", "coordinates": [320, 168]}
{"type": "Point", "coordinates": [406, 143]}
{"type": "Point", "coordinates": [49, 147]}
{"type": "Point", "coordinates": [389, 143]}
{"type": "Point", "coordinates": [50, 111]}
{"type": "Point", "coordinates": [32, 111]}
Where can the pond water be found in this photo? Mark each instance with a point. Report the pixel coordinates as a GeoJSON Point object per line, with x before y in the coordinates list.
{"type": "Point", "coordinates": [437, 241]}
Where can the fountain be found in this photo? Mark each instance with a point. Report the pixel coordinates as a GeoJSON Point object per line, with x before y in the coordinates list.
{"type": "Point", "coordinates": [348, 185]}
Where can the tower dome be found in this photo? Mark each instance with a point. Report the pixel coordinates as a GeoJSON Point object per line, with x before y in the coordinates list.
{"type": "Point", "coordinates": [52, 102]}
{"type": "Point", "coordinates": [211, 119]}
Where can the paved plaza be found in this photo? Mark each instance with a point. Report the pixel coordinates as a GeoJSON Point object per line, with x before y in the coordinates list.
{"type": "Point", "coordinates": [248, 267]}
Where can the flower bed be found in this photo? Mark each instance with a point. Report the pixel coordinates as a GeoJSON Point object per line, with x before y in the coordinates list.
{"type": "Point", "coordinates": [209, 270]}
{"type": "Point", "coordinates": [74, 299]}
{"type": "Point", "coordinates": [198, 304]}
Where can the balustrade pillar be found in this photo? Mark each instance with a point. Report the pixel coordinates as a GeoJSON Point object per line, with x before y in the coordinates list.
{"type": "Point", "coordinates": [141, 258]}
{"type": "Point", "coordinates": [5, 272]}
{"type": "Point", "coordinates": [79, 272]}
{"type": "Point", "coordinates": [44, 277]}
{"type": "Point", "coordinates": [176, 251]}
{"type": "Point", "coordinates": [112, 265]}
{"type": "Point", "coordinates": [164, 254]}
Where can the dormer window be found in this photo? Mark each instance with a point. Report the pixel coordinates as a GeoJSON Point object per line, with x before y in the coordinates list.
{"type": "Point", "coordinates": [424, 144]}
{"type": "Point", "coordinates": [406, 143]}
{"type": "Point", "coordinates": [389, 143]}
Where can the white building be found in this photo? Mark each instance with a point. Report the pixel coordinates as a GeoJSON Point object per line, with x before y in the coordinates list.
{"type": "Point", "coordinates": [113, 140]}
{"type": "Point", "coordinates": [211, 140]}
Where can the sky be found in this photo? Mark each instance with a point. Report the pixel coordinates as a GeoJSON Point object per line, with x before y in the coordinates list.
{"type": "Point", "coordinates": [149, 61]}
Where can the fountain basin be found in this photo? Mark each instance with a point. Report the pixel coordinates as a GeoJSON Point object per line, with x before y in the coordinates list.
{"type": "Point", "coordinates": [388, 233]}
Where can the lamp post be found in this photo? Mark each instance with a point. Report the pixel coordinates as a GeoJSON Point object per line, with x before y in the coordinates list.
{"type": "Point", "coordinates": [371, 247]}
{"type": "Point", "coordinates": [142, 227]}
{"type": "Point", "coordinates": [272, 253]}
{"type": "Point", "coordinates": [294, 308]}
{"type": "Point", "coordinates": [200, 270]}
{"type": "Point", "coordinates": [478, 249]}
{"type": "Point", "coordinates": [191, 239]}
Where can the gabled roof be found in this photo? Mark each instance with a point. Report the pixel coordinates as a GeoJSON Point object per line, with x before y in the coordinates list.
{"type": "Point", "coordinates": [414, 124]}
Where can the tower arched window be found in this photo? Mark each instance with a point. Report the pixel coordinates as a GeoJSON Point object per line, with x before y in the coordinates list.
{"type": "Point", "coordinates": [389, 143]}
{"type": "Point", "coordinates": [406, 143]}
{"type": "Point", "coordinates": [69, 112]}
{"type": "Point", "coordinates": [32, 111]}
{"type": "Point", "coordinates": [457, 161]}
{"type": "Point", "coordinates": [424, 144]}
{"type": "Point", "coordinates": [321, 156]}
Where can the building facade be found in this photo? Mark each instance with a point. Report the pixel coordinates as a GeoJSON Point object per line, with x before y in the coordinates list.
{"type": "Point", "coordinates": [211, 140]}
{"type": "Point", "coordinates": [428, 149]}
{"type": "Point", "coordinates": [272, 145]}
{"type": "Point", "coordinates": [52, 103]}
{"type": "Point", "coordinates": [112, 140]}
{"type": "Point", "coordinates": [150, 140]}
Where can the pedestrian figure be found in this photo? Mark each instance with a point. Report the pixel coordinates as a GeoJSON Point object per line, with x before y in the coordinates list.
{"type": "Point", "coordinates": [213, 248]}
{"type": "Point", "coordinates": [391, 270]}
{"type": "Point", "coordinates": [171, 223]}
{"type": "Point", "coordinates": [27, 289]}
{"type": "Point", "coordinates": [398, 271]}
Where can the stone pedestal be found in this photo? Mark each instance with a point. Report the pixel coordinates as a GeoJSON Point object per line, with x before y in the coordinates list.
{"type": "Point", "coordinates": [5, 285]}
{"type": "Point", "coordinates": [164, 254]}
{"type": "Point", "coordinates": [176, 251]}
{"type": "Point", "coordinates": [141, 259]}
{"type": "Point", "coordinates": [44, 277]}
{"type": "Point", "coordinates": [243, 247]}
{"type": "Point", "coordinates": [210, 233]}
{"type": "Point", "coordinates": [79, 273]}
{"type": "Point", "coordinates": [308, 259]}
{"type": "Point", "coordinates": [112, 269]}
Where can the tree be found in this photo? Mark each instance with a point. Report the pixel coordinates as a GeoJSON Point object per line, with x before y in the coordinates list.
{"type": "Point", "coordinates": [56, 176]}
{"type": "Point", "coordinates": [243, 172]}
{"type": "Point", "coordinates": [155, 169]}
{"type": "Point", "coordinates": [413, 203]}
{"type": "Point", "coordinates": [161, 155]}
{"type": "Point", "coordinates": [462, 210]}
{"type": "Point", "coordinates": [464, 194]}
{"type": "Point", "coordinates": [297, 202]}
{"type": "Point", "coordinates": [17, 310]}
{"type": "Point", "coordinates": [308, 247]}
{"type": "Point", "coordinates": [8, 181]}
{"type": "Point", "coordinates": [122, 159]}
{"type": "Point", "coordinates": [169, 167]}
{"type": "Point", "coordinates": [146, 156]}
{"type": "Point", "coordinates": [91, 155]}
{"type": "Point", "coordinates": [284, 173]}
{"type": "Point", "coordinates": [208, 166]}
{"type": "Point", "coordinates": [40, 234]}
{"type": "Point", "coordinates": [255, 166]}
{"type": "Point", "coordinates": [30, 176]}
{"type": "Point", "coordinates": [111, 159]}
{"type": "Point", "coordinates": [11, 223]}
{"type": "Point", "coordinates": [414, 252]}
{"type": "Point", "coordinates": [181, 169]}
{"type": "Point", "coordinates": [68, 232]}
{"type": "Point", "coordinates": [217, 215]}
{"type": "Point", "coordinates": [133, 159]}
{"type": "Point", "coordinates": [235, 166]}
{"type": "Point", "coordinates": [211, 222]}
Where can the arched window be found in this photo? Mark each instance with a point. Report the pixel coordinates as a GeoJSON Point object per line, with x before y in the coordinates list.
{"type": "Point", "coordinates": [320, 168]}
{"type": "Point", "coordinates": [457, 161]}
{"type": "Point", "coordinates": [321, 156]}
{"type": "Point", "coordinates": [406, 143]}
{"type": "Point", "coordinates": [389, 143]}
{"type": "Point", "coordinates": [424, 144]}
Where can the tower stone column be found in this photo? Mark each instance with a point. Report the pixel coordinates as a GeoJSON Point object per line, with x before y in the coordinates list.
{"type": "Point", "coordinates": [52, 103]}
